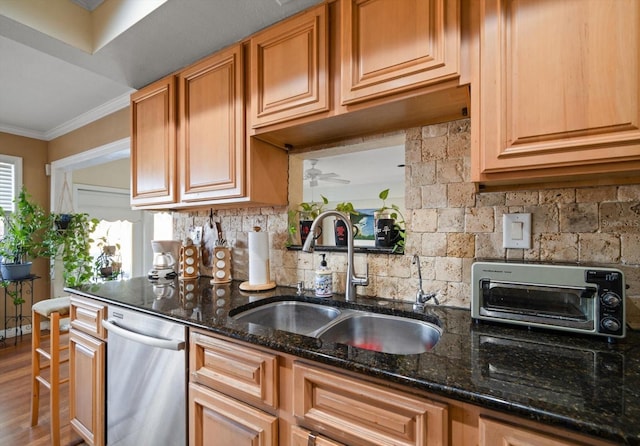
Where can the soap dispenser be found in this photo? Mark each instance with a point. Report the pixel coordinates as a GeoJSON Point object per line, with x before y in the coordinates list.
{"type": "Point", "coordinates": [324, 279]}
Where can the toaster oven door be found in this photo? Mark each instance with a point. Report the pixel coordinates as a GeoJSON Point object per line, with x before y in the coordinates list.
{"type": "Point", "coordinates": [545, 305]}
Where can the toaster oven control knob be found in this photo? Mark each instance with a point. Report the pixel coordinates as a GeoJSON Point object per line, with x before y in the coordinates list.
{"type": "Point", "coordinates": [611, 300]}
{"type": "Point", "coordinates": [610, 324]}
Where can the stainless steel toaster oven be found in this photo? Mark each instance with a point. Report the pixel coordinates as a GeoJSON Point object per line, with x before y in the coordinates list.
{"type": "Point", "coordinates": [579, 299]}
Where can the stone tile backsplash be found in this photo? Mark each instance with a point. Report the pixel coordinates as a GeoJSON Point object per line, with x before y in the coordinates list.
{"type": "Point", "coordinates": [449, 224]}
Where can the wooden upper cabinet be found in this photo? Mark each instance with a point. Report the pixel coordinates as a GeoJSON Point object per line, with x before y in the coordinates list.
{"type": "Point", "coordinates": [289, 69]}
{"type": "Point", "coordinates": [557, 90]}
{"type": "Point", "coordinates": [211, 138]}
{"type": "Point", "coordinates": [153, 143]}
{"type": "Point", "coordinates": [390, 46]}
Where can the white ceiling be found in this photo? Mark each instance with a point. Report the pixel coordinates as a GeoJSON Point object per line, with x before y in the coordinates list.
{"type": "Point", "coordinates": [48, 87]}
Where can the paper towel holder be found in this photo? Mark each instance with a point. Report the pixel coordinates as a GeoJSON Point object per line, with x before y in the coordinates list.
{"type": "Point", "coordinates": [270, 284]}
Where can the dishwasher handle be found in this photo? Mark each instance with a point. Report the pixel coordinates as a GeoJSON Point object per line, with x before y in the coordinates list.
{"type": "Point", "coordinates": [167, 344]}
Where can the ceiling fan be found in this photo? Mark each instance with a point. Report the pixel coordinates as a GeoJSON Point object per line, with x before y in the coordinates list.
{"type": "Point", "coordinates": [313, 175]}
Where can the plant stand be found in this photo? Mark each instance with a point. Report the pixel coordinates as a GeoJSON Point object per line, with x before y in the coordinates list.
{"type": "Point", "coordinates": [17, 289]}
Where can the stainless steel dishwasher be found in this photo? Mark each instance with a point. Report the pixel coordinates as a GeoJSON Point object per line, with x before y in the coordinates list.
{"type": "Point", "coordinates": [146, 380]}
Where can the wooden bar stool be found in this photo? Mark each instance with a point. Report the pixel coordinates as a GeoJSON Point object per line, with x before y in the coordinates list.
{"type": "Point", "coordinates": [54, 310]}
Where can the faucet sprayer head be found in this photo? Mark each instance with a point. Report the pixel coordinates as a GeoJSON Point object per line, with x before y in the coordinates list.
{"type": "Point", "coordinates": [310, 242]}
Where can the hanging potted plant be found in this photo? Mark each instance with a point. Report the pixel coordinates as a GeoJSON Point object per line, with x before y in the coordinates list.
{"type": "Point", "coordinates": [389, 225]}
{"type": "Point", "coordinates": [22, 241]}
{"type": "Point", "coordinates": [72, 247]}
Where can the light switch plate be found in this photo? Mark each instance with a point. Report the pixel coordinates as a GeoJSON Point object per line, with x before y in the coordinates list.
{"type": "Point", "coordinates": [516, 231]}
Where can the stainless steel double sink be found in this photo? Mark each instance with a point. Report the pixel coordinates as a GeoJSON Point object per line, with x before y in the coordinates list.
{"type": "Point", "coordinates": [363, 329]}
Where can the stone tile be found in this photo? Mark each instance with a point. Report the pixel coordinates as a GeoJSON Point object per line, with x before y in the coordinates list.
{"type": "Point", "coordinates": [451, 220]}
{"type": "Point", "coordinates": [544, 218]}
{"type": "Point", "coordinates": [458, 294]}
{"type": "Point", "coordinates": [629, 193]}
{"type": "Point", "coordinates": [599, 248]}
{"type": "Point", "coordinates": [460, 245]}
{"type": "Point", "coordinates": [434, 148]}
{"type": "Point", "coordinates": [413, 133]}
{"type": "Point", "coordinates": [489, 246]}
{"type": "Point", "coordinates": [522, 198]}
{"type": "Point", "coordinates": [596, 194]}
{"type": "Point", "coordinates": [557, 196]}
{"type": "Point", "coordinates": [491, 199]}
{"type": "Point", "coordinates": [559, 247]}
{"type": "Point", "coordinates": [378, 265]}
{"type": "Point", "coordinates": [450, 171]}
{"type": "Point", "coordinates": [423, 174]}
{"type": "Point", "coordinates": [435, 130]}
{"type": "Point", "coordinates": [461, 195]}
{"type": "Point", "coordinates": [434, 244]}
{"type": "Point", "coordinates": [630, 244]}
{"type": "Point", "coordinates": [623, 217]}
{"type": "Point", "coordinates": [579, 217]}
{"type": "Point", "coordinates": [434, 196]}
{"type": "Point", "coordinates": [413, 151]}
{"type": "Point", "coordinates": [400, 266]}
{"type": "Point", "coordinates": [479, 219]}
{"type": "Point", "coordinates": [428, 267]}
{"type": "Point", "coordinates": [449, 269]}
{"type": "Point", "coordinates": [387, 287]}
{"type": "Point", "coordinates": [459, 138]}
{"type": "Point", "coordinates": [424, 220]}
{"type": "Point", "coordinates": [413, 198]}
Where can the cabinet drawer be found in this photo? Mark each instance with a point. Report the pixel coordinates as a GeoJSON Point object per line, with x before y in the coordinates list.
{"type": "Point", "coordinates": [303, 437]}
{"type": "Point", "coordinates": [242, 372]}
{"type": "Point", "coordinates": [362, 413]}
{"type": "Point", "coordinates": [87, 315]}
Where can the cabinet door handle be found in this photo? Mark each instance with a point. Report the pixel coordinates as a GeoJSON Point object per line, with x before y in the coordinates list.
{"type": "Point", "coordinates": [311, 439]}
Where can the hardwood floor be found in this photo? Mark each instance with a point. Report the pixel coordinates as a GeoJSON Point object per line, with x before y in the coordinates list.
{"type": "Point", "coordinates": [15, 399]}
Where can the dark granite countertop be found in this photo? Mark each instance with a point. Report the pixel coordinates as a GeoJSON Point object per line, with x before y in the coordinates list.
{"type": "Point", "coordinates": [580, 383]}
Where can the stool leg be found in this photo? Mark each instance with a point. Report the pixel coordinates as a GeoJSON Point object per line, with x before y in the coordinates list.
{"type": "Point", "coordinates": [55, 378]}
{"type": "Point", "coordinates": [35, 367]}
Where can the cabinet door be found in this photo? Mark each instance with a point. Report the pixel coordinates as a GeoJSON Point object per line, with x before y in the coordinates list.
{"type": "Point", "coordinates": [87, 386]}
{"type": "Point", "coordinates": [153, 144]}
{"type": "Point", "coordinates": [289, 69]}
{"type": "Point", "coordinates": [558, 94]}
{"type": "Point", "coordinates": [389, 46]}
{"type": "Point", "coordinates": [494, 432]}
{"type": "Point", "coordinates": [211, 141]}
{"type": "Point", "coordinates": [217, 420]}
{"type": "Point", "coordinates": [356, 411]}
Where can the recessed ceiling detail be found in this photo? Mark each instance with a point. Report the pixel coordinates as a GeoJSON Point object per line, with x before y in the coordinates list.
{"type": "Point", "coordinates": [89, 5]}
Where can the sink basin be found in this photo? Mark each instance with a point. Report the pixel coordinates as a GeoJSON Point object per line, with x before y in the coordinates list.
{"type": "Point", "coordinates": [383, 333]}
{"type": "Point", "coordinates": [292, 316]}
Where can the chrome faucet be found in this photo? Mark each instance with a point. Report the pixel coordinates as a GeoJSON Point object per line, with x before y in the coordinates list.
{"type": "Point", "coordinates": [352, 279]}
{"type": "Point", "coordinates": [421, 296]}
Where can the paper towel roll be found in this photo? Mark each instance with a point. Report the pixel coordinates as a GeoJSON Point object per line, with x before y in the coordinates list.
{"type": "Point", "coordinates": [259, 258]}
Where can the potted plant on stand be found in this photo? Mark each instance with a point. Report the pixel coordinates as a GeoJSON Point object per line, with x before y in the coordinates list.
{"type": "Point", "coordinates": [389, 225]}
{"type": "Point", "coordinates": [23, 234]}
{"type": "Point", "coordinates": [108, 264]}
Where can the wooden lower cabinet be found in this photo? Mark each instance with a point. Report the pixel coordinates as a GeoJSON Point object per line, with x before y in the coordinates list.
{"type": "Point", "coordinates": [87, 368]}
{"type": "Point", "coordinates": [241, 394]}
{"type": "Point", "coordinates": [218, 420]}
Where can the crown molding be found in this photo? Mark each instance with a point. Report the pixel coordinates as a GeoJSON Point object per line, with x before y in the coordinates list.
{"type": "Point", "coordinates": [101, 111]}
